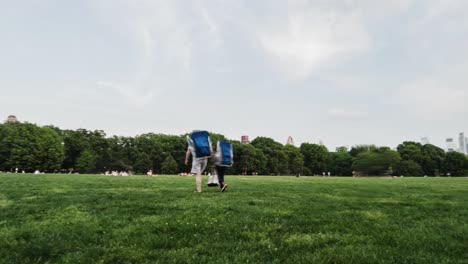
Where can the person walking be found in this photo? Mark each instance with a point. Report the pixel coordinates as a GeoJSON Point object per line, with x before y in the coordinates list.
{"type": "Point", "coordinates": [199, 147]}
{"type": "Point", "coordinates": [224, 158]}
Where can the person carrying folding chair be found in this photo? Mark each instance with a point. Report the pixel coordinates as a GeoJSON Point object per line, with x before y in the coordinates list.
{"type": "Point", "coordinates": [199, 146]}
{"type": "Point", "coordinates": [224, 158]}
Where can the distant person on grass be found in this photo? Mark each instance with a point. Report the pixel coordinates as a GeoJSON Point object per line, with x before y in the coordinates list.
{"type": "Point", "coordinates": [199, 147]}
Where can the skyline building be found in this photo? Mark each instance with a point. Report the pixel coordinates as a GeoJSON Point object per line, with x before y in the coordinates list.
{"type": "Point", "coordinates": [462, 143]}
{"type": "Point", "coordinates": [245, 139]}
{"type": "Point", "coordinates": [466, 145]}
{"type": "Point", "coordinates": [450, 144]}
{"type": "Point", "coordinates": [11, 119]}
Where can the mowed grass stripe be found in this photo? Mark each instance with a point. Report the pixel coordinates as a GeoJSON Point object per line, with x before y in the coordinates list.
{"type": "Point", "coordinates": [139, 219]}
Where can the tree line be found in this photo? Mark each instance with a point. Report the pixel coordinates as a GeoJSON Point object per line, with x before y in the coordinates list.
{"type": "Point", "coordinates": [30, 147]}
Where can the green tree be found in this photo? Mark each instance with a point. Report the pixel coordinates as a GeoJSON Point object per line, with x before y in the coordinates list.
{"type": "Point", "coordinates": [77, 141]}
{"type": "Point", "coordinates": [100, 146]}
{"type": "Point", "coordinates": [5, 146]}
{"type": "Point", "coordinates": [169, 166]}
{"type": "Point", "coordinates": [316, 158]}
{"type": "Point", "coordinates": [410, 168]}
{"type": "Point", "coordinates": [214, 137]}
{"type": "Point", "coordinates": [143, 163]}
{"type": "Point", "coordinates": [248, 159]}
{"type": "Point", "coordinates": [433, 159]}
{"type": "Point", "coordinates": [86, 162]}
{"type": "Point", "coordinates": [295, 159]}
{"type": "Point", "coordinates": [29, 147]}
{"type": "Point", "coordinates": [376, 162]}
{"type": "Point", "coordinates": [52, 153]}
{"type": "Point", "coordinates": [455, 163]}
{"type": "Point", "coordinates": [342, 149]}
{"type": "Point", "coordinates": [341, 163]}
{"type": "Point", "coordinates": [411, 151]}
{"type": "Point", "coordinates": [276, 159]}
{"type": "Point", "coordinates": [356, 150]}
{"type": "Point", "coordinates": [122, 152]}
{"type": "Point", "coordinates": [159, 147]}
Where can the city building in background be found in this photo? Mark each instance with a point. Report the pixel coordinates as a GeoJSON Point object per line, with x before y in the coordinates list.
{"type": "Point", "coordinates": [245, 139]}
{"type": "Point", "coordinates": [425, 141]}
{"type": "Point", "coordinates": [466, 145]}
{"type": "Point", "coordinates": [11, 119]}
{"type": "Point", "coordinates": [462, 143]}
{"type": "Point", "coordinates": [290, 141]}
{"type": "Point", "coordinates": [450, 145]}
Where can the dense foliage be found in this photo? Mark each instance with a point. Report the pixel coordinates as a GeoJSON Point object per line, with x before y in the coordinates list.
{"type": "Point", "coordinates": [29, 147]}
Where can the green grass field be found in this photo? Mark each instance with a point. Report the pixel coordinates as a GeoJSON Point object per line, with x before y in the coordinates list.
{"type": "Point", "coordinates": [102, 219]}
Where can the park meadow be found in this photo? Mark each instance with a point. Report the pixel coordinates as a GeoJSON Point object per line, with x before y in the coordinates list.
{"type": "Point", "coordinates": [56, 218]}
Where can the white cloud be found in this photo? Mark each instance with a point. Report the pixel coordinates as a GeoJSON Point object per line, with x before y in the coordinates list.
{"type": "Point", "coordinates": [298, 38]}
{"type": "Point", "coordinates": [312, 38]}
{"type": "Point", "coordinates": [165, 35]}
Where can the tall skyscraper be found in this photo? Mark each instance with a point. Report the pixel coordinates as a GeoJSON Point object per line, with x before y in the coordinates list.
{"type": "Point", "coordinates": [466, 140]}
{"type": "Point", "coordinates": [245, 139]}
{"type": "Point", "coordinates": [462, 143]}
{"type": "Point", "coordinates": [451, 146]}
{"type": "Point", "coordinates": [290, 141]}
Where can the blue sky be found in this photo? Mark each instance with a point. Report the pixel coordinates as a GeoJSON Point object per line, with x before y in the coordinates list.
{"type": "Point", "coordinates": [342, 72]}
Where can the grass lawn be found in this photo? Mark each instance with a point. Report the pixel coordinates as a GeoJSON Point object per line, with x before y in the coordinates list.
{"type": "Point", "coordinates": [103, 219]}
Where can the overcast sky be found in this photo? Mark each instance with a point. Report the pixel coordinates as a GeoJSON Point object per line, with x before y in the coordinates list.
{"type": "Point", "coordinates": [341, 71]}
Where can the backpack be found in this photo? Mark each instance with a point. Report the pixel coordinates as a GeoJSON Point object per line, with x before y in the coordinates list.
{"type": "Point", "coordinates": [202, 144]}
{"type": "Point", "coordinates": [225, 154]}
